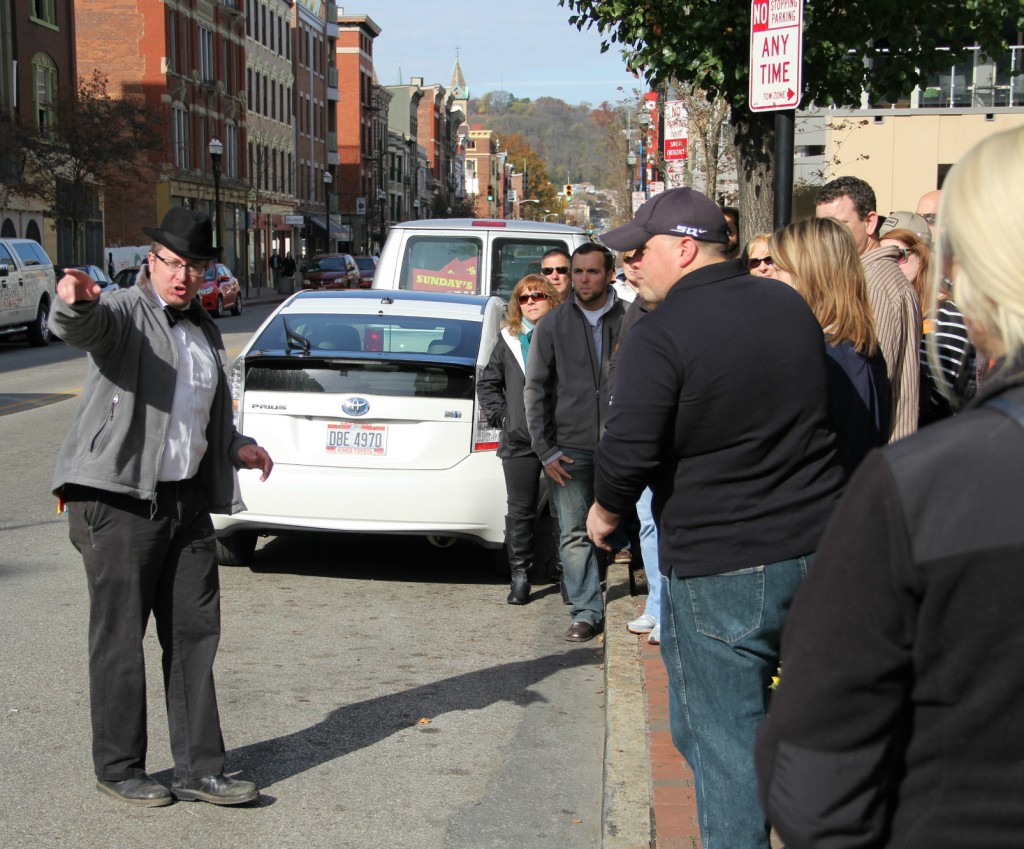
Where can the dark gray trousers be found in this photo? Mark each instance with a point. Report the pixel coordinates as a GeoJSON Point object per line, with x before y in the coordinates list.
{"type": "Point", "coordinates": [137, 564]}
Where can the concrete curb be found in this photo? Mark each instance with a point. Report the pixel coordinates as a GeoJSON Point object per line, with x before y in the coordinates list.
{"type": "Point", "coordinates": [626, 820]}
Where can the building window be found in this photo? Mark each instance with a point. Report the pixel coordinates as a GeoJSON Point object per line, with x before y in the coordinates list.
{"type": "Point", "coordinates": [179, 135]}
{"type": "Point", "coordinates": [206, 72]}
{"type": "Point", "coordinates": [231, 150]}
{"type": "Point", "coordinates": [248, 88]}
{"type": "Point", "coordinates": [44, 74]}
{"type": "Point", "coordinates": [45, 11]}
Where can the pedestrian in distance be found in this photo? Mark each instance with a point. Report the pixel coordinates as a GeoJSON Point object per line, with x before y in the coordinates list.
{"type": "Point", "coordinates": [151, 453]}
{"type": "Point", "coordinates": [566, 398]}
{"type": "Point", "coordinates": [500, 389]}
{"type": "Point", "coordinates": [721, 407]}
{"type": "Point", "coordinates": [818, 258]}
{"type": "Point", "coordinates": [557, 267]}
{"type": "Point", "coordinates": [898, 713]}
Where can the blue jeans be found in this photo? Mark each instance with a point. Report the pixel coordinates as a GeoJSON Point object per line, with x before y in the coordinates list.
{"type": "Point", "coordinates": [580, 569]}
{"type": "Point", "coordinates": [649, 550]}
{"type": "Point", "coordinates": [720, 644]}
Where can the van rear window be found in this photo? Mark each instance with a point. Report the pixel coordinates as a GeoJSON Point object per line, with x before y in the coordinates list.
{"type": "Point", "coordinates": [451, 264]}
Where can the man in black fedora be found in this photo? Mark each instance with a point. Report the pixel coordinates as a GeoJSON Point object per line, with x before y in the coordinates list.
{"type": "Point", "coordinates": [151, 453]}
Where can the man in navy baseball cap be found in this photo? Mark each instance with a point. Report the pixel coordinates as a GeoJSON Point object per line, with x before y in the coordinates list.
{"type": "Point", "coordinates": [677, 212]}
{"type": "Point", "coordinates": [721, 407]}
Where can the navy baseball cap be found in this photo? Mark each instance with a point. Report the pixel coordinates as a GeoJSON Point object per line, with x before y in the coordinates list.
{"type": "Point", "coordinates": [677, 212]}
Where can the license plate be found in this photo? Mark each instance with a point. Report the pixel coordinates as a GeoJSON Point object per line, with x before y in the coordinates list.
{"type": "Point", "coordinates": [357, 438]}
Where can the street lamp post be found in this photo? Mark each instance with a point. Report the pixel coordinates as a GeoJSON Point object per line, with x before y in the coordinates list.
{"type": "Point", "coordinates": [328, 179]}
{"type": "Point", "coordinates": [528, 200]}
{"type": "Point", "coordinates": [216, 151]}
{"type": "Point", "coordinates": [645, 123]}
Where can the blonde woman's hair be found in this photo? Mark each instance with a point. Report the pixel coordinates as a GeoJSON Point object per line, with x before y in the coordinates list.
{"type": "Point", "coordinates": [760, 237]}
{"type": "Point", "coordinates": [980, 230]}
{"type": "Point", "coordinates": [530, 283]}
{"type": "Point", "coordinates": [915, 245]}
{"type": "Point", "coordinates": [822, 257]}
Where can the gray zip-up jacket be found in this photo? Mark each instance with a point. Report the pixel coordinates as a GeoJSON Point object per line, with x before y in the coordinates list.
{"type": "Point", "coordinates": [566, 392]}
{"type": "Point", "coordinates": [117, 439]}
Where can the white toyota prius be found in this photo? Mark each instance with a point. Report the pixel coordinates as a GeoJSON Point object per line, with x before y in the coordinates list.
{"type": "Point", "coordinates": [366, 400]}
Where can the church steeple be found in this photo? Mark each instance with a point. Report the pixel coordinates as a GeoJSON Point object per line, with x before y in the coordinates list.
{"type": "Point", "coordinates": [457, 86]}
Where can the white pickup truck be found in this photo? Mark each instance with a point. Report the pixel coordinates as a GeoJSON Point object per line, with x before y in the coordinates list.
{"type": "Point", "coordinates": [27, 289]}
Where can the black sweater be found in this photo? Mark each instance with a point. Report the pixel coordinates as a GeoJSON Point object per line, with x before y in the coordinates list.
{"type": "Point", "coordinates": [899, 719]}
{"type": "Point", "coordinates": [721, 405]}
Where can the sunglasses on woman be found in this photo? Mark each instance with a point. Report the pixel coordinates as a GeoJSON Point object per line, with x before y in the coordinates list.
{"type": "Point", "coordinates": [755, 262]}
{"type": "Point", "coordinates": [904, 256]}
{"type": "Point", "coordinates": [532, 296]}
{"type": "Point", "coordinates": [547, 270]}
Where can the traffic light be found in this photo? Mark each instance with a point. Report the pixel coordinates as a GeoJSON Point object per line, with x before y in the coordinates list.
{"type": "Point", "coordinates": [490, 193]}
{"type": "Point", "coordinates": [568, 191]}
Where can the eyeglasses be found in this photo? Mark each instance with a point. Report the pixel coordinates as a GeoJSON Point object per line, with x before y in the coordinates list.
{"type": "Point", "coordinates": [174, 266]}
{"type": "Point", "coordinates": [547, 271]}
{"type": "Point", "coordinates": [532, 296]}
{"type": "Point", "coordinates": [755, 262]}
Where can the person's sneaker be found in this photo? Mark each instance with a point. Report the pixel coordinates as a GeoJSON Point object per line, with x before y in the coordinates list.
{"type": "Point", "coordinates": [654, 638]}
{"type": "Point", "coordinates": [623, 555]}
{"type": "Point", "coordinates": [641, 625]}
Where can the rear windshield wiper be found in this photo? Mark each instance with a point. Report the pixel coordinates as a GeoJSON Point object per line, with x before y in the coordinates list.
{"type": "Point", "coordinates": [296, 341]}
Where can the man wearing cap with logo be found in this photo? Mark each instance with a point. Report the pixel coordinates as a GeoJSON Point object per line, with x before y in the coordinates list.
{"type": "Point", "coordinates": [721, 407]}
{"type": "Point", "coordinates": [151, 453]}
{"type": "Point", "coordinates": [896, 308]}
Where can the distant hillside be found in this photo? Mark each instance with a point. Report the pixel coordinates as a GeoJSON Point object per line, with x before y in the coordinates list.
{"type": "Point", "coordinates": [573, 141]}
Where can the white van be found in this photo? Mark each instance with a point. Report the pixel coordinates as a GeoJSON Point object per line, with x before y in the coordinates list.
{"type": "Point", "coordinates": [27, 289]}
{"type": "Point", "coordinates": [469, 256]}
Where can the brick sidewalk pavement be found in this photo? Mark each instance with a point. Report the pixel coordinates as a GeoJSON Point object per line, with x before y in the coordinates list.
{"type": "Point", "coordinates": [674, 803]}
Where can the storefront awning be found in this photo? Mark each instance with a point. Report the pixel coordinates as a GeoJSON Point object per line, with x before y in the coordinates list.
{"type": "Point", "coordinates": [339, 231]}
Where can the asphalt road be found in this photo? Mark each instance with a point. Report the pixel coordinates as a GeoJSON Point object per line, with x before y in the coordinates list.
{"type": "Point", "coordinates": [380, 691]}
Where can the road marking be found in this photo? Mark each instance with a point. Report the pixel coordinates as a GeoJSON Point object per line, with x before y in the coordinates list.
{"type": "Point", "coordinates": [17, 402]}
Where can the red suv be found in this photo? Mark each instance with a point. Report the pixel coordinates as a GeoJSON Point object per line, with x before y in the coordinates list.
{"type": "Point", "coordinates": [331, 271]}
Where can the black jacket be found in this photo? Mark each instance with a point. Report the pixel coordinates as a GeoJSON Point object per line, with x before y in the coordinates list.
{"type": "Point", "coordinates": [566, 390]}
{"type": "Point", "coordinates": [500, 390]}
{"type": "Point", "coordinates": [721, 406]}
{"type": "Point", "coordinates": [899, 718]}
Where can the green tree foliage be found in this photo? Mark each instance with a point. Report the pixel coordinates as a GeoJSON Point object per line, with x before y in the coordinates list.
{"type": "Point", "coordinates": [95, 139]}
{"type": "Point", "coordinates": [850, 46]}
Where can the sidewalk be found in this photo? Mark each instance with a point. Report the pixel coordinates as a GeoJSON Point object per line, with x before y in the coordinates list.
{"type": "Point", "coordinates": [649, 800]}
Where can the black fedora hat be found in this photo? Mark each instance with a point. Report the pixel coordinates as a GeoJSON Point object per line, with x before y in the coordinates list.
{"type": "Point", "coordinates": [187, 233]}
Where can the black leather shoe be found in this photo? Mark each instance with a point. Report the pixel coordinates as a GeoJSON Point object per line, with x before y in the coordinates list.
{"type": "Point", "coordinates": [217, 789]}
{"type": "Point", "coordinates": [580, 632]}
{"type": "Point", "coordinates": [142, 790]}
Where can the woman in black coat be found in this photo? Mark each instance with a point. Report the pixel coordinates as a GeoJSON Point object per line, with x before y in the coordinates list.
{"type": "Point", "coordinates": [501, 396]}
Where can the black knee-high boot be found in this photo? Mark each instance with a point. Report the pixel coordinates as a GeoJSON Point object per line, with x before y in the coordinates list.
{"type": "Point", "coordinates": [519, 541]}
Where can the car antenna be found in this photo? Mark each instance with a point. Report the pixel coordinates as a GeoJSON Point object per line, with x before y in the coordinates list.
{"type": "Point", "coordinates": [387, 299]}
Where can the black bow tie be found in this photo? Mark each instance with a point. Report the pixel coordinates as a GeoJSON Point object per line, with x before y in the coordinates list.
{"type": "Point", "coordinates": [176, 315]}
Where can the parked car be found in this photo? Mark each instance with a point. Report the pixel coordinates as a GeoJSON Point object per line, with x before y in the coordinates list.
{"type": "Point", "coordinates": [331, 271]}
{"type": "Point", "coordinates": [367, 267]}
{"type": "Point", "coordinates": [469, 255]}
{"type": "Point", "coordinates": [107, 285]}
{"type": "Point", "coordinates": [28, 286]}
{"type": "Point", "coordinates": [220, 290]}
{"type": "Point", "coordinates": [126, 276]}
{"type": "Point", "coordinates": [367, 403]}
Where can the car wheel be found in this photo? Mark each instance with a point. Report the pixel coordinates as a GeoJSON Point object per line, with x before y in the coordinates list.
{"type": "Point", "coordinates": [237, 549]}
{"type": "Point", "coordinates": [39, 330]}
{"type": "Point", "coordinates": [219, 311]}
{"type": "Point", "coordinates": [237, 308]}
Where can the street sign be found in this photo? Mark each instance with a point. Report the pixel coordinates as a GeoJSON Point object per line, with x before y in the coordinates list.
{"type": "Point", "coordinates": [776, 54]}
{"type": "Point", "coordinates": [294, 220]}
{"type": "Point", "coordinates": [676, 129]}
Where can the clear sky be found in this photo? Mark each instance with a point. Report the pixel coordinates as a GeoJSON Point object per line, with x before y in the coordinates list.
{"type": "Point", "coordinates": [526, 47]}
